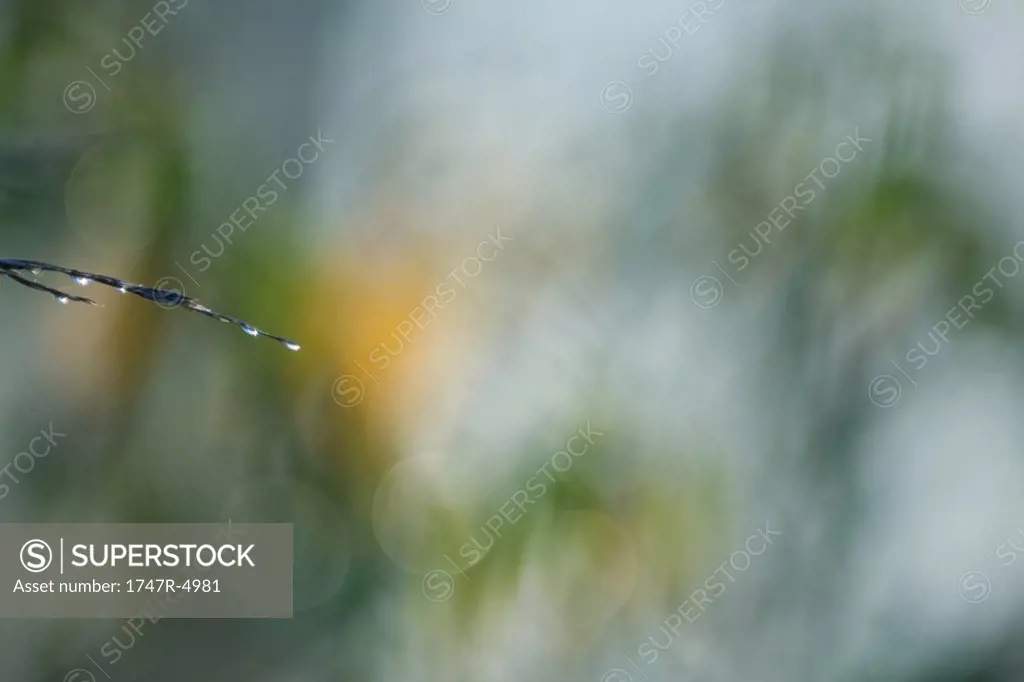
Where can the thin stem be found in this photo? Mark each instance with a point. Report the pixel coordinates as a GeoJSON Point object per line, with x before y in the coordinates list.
{"type": "Point", "coordinates": [10, 267]}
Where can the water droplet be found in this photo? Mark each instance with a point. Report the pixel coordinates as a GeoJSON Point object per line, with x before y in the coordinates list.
{"type": "Point", "coordinates": [251, 331]}
{"type": "Point", "coordinates": [292, 346]}
{"type": "Point", "coordinates": [62, 299]}
{"type": "Point", "coordinates": [81, 281]}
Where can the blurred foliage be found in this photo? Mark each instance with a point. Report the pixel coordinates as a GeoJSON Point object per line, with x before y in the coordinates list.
{"type": "Point", "coordinates": [178, 419]}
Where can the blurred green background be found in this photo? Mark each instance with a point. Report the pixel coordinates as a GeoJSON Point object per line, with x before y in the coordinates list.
{"type": "Point", "coordinates": [495, 228]}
